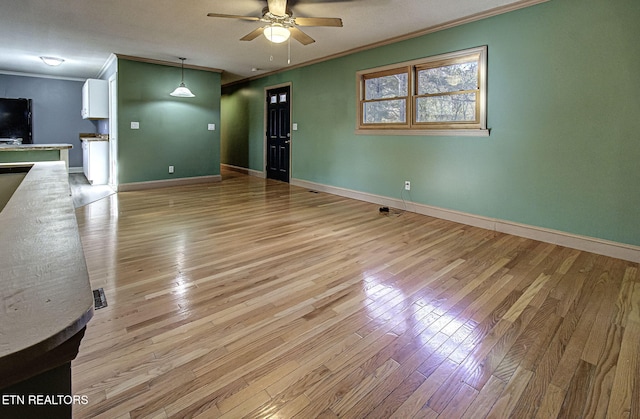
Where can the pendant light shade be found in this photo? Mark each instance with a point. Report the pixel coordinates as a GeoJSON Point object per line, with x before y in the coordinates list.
{"type": "Point", "coordinates": [276, 33]}
{"type": "Point", "coordinates": [182, 90]}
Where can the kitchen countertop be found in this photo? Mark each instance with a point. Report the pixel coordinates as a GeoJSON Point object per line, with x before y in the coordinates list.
{"type": "Point", "coordinates": [90, 137]}
{"type": "Point", "coordinates": [32, 147]}
{"type": "Point", "coordinates": [45, 294]}
{"type": "Point", "coordinates": [93, 139]}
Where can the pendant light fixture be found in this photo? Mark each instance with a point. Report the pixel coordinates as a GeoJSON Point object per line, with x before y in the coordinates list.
{"type": "Point", "coordinates": [182, 90]}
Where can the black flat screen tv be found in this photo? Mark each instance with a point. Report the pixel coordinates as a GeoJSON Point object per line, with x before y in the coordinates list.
{"type": "Point", "coordinates": [15, 120]}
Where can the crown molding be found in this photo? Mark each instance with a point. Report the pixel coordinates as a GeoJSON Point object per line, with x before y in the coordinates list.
{"type": "Point", "coordinates": [41, 76]}
{"type": "Point", "coordinates": [167, 63]}
{"type": "Point", "coordinates": [112, 58]}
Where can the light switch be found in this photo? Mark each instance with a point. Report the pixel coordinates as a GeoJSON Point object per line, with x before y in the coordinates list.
{"type": "Point", "coordinates": [135, 125]}
{"type": "Point", "coordinates": [211, 127]}
{"type": "Point", "coordinates": [295, 126]}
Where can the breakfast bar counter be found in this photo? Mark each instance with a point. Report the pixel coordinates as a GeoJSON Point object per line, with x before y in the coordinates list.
{"type": "Point", "coordinates": [10, 153]}
{"type": "Point", "coordinates": [46, 297]}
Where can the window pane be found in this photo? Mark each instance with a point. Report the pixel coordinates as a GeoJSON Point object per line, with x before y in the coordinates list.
{"type": "Point", "coordinates": [385, 112]}
{"type": "Point", "coordinates": [449, 108]}
{"type": "Point", "coordinates": [451, 78]}
{"type": "Point", "coordinates": [385, 87]}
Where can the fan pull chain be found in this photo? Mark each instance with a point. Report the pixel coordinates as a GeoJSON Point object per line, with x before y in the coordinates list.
{"type": "Point", "coordinates": [271, 51]}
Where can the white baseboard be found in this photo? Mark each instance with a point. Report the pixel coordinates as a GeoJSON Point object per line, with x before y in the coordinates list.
{"type": "Point", "coordinates": [244, 170]}
{"type": "Point", "coordinates": [589, 244]}
{"type": "Point", "coordinates": [75, 170]}
{"type": "Point", "coordinates": [165, 183]}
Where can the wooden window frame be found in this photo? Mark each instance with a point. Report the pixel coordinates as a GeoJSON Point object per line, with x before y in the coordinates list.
{"type": "Point", "coordinates": [411, 126]}
{"type": "Point", "coordinates": [407, 104]}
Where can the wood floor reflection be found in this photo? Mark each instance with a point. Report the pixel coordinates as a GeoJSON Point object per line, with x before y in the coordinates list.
{"type": "Point", "coordinates": [252, 298]}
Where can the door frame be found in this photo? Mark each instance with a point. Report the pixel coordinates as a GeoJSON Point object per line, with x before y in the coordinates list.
{"type": "Point", "coordinates": [113, 131]}
{"type": "Point", "coordinates": [265, 117]}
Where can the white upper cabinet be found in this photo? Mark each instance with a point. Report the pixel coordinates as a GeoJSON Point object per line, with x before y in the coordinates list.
{"type": "Point", "coordinates": [95, 99]}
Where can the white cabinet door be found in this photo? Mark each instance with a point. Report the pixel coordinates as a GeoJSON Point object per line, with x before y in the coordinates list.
{"type": "Point", "coordinates": [95, 99]}
{"type": "Point", "coordinates": [95, 161]}
{"type": "Point", "coordinates": [85, 159]}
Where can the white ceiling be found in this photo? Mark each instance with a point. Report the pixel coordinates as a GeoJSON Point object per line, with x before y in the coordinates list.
{"type": "Point", "coordinates": [86, 32]}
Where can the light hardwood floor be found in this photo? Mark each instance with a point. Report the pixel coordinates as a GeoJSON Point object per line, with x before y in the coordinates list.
{"type": "Point", "coordinates": [252, 298]}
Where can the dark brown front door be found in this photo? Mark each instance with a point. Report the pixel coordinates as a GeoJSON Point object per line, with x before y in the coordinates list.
{"type": "Point", "coordinates": [278, 133]}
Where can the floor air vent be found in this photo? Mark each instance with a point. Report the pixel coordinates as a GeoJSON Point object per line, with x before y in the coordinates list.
{"type": "Point", "coordinates": [99, 299]}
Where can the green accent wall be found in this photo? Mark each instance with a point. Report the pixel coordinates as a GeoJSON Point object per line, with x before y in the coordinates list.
{"type": "Point", "coordinates": [563, 109]}
{"type": "Point", "coordinates": [173, 131]}
{"type": "Point", "coordinates": [243, 125]}
{"type": "Point", "coordinates": [29, 156]}
{"type": "Point", "coordinates": [234, 110]}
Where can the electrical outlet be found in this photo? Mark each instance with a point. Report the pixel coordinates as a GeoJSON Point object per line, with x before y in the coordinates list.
{"type": "Point", "coordinates": [407, 185]}
{"type": "Point", "coordinates": [170, 169]}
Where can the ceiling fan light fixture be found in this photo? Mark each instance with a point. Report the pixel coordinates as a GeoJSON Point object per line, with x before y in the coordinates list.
{"type": "Point", "coordinates": [52, 61]}
{"type": "Point", "coordinates": [276, 33]}
{"type": "Point", "coordinates": [182, 90]}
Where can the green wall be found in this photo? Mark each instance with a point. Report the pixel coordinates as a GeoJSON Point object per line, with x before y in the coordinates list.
{"type": "Point", "coordinates": [173, 131]}
{"type": "Point", "coordinates": [234, 111]}
{"type": "Point", "coordinates": [242, 124]}
{"type": "Point", "coordinates": [29, 156]}
{"type": "Point", "coordinates": [563, 109]}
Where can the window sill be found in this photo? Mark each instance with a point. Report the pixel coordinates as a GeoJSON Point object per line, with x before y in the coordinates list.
{"type": "Point", "coordinates": [427, 132]}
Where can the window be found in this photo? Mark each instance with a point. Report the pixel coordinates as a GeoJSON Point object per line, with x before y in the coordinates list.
{"type": "Point", "coordinates": [386, 97]}
{"type": "Point", "coordinates": [442, 95]}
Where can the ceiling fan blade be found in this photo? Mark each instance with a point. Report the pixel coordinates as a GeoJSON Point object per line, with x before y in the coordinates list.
{"type": "Point", "coordinates": [319, 21]}
{"type": "Point", "coordinates": [252, 18]}
{"type": "Point", "coordinates": [277, 7]}
{"type": "Point", "coordinates": [253, 34]}
{"type": "Point", "coordinates": [301, 37]}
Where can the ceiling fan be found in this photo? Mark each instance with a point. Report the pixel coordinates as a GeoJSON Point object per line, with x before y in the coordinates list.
{"type": "Point", "coordinates": [281, 24]}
